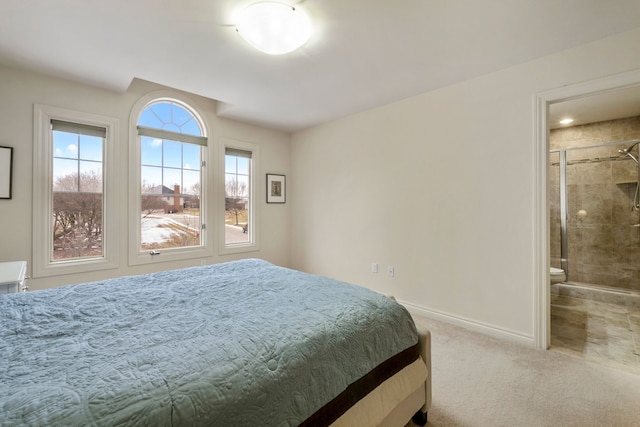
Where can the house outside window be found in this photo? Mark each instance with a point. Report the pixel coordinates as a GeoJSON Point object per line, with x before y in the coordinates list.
{"type": "Point", "coordinates": [169, 197]}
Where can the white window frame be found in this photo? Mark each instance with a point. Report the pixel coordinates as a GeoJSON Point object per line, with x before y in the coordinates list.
{"type": "Point", "coordinates": [137, 256]}
{"type": "Point", "coordinates": [42, 265]}
{"type": "Point", "coordinates": [254, 242]}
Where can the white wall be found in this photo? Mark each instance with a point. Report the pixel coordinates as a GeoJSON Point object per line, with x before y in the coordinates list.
{"type": "Point", "coordinates": [20, 90]}
{"type": "Point", "coordinates": [441, 186]}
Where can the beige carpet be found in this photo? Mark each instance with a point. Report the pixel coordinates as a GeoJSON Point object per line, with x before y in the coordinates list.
{"type": "Point", "coordinates": [483, 381]}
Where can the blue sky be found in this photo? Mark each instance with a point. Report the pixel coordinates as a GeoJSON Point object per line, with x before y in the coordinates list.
{"type": "Point", "coordinates": [75, 153]}
{"type": "Point", "coordinates": [164, 162]}
{"type": "Point", "coordinates": [167, 162]}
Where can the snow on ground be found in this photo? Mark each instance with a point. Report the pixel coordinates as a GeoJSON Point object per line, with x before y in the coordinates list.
{"type": "Point", "coordinates": [155, 229]}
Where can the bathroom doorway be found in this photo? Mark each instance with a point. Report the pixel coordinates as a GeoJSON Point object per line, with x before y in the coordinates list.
{"type": "Point", "coordinates": [594, 228]}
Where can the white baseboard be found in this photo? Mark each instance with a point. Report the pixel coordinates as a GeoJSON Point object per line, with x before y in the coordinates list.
{"type": "Point", "coordinates": [472, 325]}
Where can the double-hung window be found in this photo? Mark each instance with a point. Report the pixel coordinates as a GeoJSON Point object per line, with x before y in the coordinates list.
{"type": "Point", "coordinates": [169, 197]}
{"type": "Point", "coordinates": [75, 228]}
{"type": "Point", "coordinates": [240, 160]}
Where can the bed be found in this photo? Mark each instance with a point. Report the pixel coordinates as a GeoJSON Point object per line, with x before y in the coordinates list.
{"type": "Point", "coordinates": [242, 343]}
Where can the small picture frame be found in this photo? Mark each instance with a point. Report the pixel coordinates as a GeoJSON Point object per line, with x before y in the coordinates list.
{"type": "Point", "coordinates": [276, 188]}
{"type": "Point", "coordinates": [6, 162]}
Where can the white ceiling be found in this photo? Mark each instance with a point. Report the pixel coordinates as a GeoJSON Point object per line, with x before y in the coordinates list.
{"type": "Point", "coordinates": [364, 53]}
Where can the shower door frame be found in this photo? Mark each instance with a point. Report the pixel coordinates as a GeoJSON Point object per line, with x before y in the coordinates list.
{"type": "Point", "coordinates": [564, 193]}
{"type": "Point", "coordinates": [564, 215]}
{"type": "Point", "coordinates": [542, 100]}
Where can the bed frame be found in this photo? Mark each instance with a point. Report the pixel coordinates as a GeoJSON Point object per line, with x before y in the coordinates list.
{"type": "Point", "coordinates": [413, 407]}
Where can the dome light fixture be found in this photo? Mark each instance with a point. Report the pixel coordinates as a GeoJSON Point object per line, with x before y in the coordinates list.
{"type": "Point", "coordinates": [274, 28]}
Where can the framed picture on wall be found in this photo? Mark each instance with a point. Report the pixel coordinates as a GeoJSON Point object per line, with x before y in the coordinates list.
{"type": "Point", "coordinates": [276, 188]}
{"type": "Point", "coordinates": [6, 160]}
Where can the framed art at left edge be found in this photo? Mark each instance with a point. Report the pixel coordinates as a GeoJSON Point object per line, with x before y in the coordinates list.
{"type": "Point", "coordinates": [6, 160]}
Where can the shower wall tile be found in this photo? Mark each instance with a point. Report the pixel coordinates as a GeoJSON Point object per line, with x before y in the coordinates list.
{"type": "Point", "coordinates": [573, 174]}
{"type": "Point", "coordinates": [628, 255]}
{"type": "Point", "coordinates": [626, 129]}
{"type": "Point", "coordinates": [574, 196]}
{"type": "Point", "coordinates": [593, 173]}
{"type": "Point", "coordinates": [598, 235]}
{"type": "Point", "coordinates": [624, 171]}
{"type": "Point", "coordinates": [625, 236]}
{"type": "Point", "coordinates": [595, 200]}
{"type": "Point", "coordinates": [624, 277]}
{"type": "Point", "coordinates": [622, 196]}
{"type": "Point", "coordinates": [601, 256]}
{"type": "Point", "coordinates": [634, 321]}
{"type": "Point", "coordinates": [604, 247]}
{"type": "Point", "coordinates": [596, 273]}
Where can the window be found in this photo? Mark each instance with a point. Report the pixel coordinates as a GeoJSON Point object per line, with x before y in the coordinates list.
{"type": "Point", "coordinates": [74, 192]}
{"type": "Point", "coordinates": [239, 208]}
{"type": "Point", "coordinates": [237, 164]}
{"type": "Point", "coordinates": [169, 165]}
{"type": "Point", "coordinates": [77, 190]}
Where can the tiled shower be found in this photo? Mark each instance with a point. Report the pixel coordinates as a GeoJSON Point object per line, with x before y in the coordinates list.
{"type": "Point", "coordinates": [603, 228]}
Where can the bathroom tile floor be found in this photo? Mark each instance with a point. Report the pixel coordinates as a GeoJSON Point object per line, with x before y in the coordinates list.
{"type": "Point", "coordinates": [602, 332]}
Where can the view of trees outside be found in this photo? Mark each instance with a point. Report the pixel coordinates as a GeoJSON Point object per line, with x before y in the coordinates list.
{"type": "Point", "coordinates": [236, 198]}
{"type": "Point", "coordinates": [236, 201]}
{"type": "Point", "coordinates": [170, 188]}
{"type": "Point", "coordinates": [77, 196]}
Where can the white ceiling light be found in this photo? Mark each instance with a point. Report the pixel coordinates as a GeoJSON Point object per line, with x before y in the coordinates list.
{"type": "Point", "coordinates": [566, 121]}
{"type": "Point", "coordinates": [274, 28]}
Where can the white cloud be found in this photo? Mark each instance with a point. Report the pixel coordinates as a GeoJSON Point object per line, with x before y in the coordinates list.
{"type": "Point", "coordinates": [72, 148]}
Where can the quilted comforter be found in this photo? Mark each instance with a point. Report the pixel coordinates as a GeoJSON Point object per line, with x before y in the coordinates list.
{"type": "Point", "coordinates": [232, 344]}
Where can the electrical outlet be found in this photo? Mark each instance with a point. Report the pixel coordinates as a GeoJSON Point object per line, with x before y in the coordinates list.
{"type": "Point", "coordinates": [374, 267]}
{"type": "Point", "coordinates": [390, 271]}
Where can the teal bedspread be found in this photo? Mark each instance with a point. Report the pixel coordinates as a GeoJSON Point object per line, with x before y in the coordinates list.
{"type": "Point", "coordinates": [244, 343]}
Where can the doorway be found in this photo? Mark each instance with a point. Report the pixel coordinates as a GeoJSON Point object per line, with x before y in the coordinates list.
{"type": "Point", "coordinates": [585, 94]}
